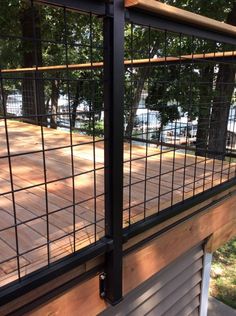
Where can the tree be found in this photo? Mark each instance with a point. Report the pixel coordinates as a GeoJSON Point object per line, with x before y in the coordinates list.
{"type": "Point", "coordinates": [167, 113]}
{"type": "Point", "coordinates": [33, 104]}
{"type": "Point", "coordinates": [225, 86]}
{"type": "Point", "coordinates": [208, 80]}
{"type": "Point", "coordinates": [79, 39]}
{"type": "Point", "coordinates": [46, 38]}
{"type": "Point", "coordinates": [212, 123]}
{"type": "Point", "coordinates": [204, 109]}
{"type": "Point", "coordinates": [144, 42]}
{"type": "Point", "coordinates": [20, 25]}
{"type": "Point", "coordinates": [7, 46]}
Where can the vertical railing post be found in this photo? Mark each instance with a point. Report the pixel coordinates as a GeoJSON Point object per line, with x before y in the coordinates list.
{"type": "Point", "coordinates": [113, 108]}
{"type": "Point", "coordinates": [205, 283]}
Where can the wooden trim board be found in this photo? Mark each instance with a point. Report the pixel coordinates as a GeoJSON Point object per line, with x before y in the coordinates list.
{"type": "Point", "coordinates": [57, 282]}
{"type": "Point", "coordinates": [82, 299]}
{"type": "Point", "coordinates": [221, 236]}
{"type": "Point", "coordinates": [181, 15]}
{"type": "Point", "coordinates": [128, 62]}
{"type": "Point", "coordinates": [135, 240]}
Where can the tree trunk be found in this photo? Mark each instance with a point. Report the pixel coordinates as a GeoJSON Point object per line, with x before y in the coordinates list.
{"type": "Point", "coordinates": [221, 104]}
{"type": "Point", "coordinates": [159, 139]}
{"type": "Point", "coordinates": [207, 75]}
{"type": "Point", "coordinates": [220, 111]}
{"type": "Point", "coordinates": [3, 102]}
{"type": "Point", "coordinates": [32, 85]}
{"type": "Point", "coordinates": [142, 75]}
{"type": "Point", "coordinates": [54, 103]}
{"type": "Point", "coordinates": [75, 105]}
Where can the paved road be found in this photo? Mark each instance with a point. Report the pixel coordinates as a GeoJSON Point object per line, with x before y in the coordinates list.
{"type": "Point", "coordinates": [216, 308]}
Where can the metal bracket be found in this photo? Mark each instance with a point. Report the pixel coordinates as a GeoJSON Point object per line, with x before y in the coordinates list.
{"type": "Point", "coordinates": [102, 285]}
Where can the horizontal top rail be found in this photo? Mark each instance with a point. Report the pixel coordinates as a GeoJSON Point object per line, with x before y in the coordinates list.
{"type": "Point", "coordinates": [82, 66]}
{"type": "Point", "coordinates": [184, 16]}
{"type": "Point", "coordinates": [93, 6]}
{"type": "Point", "coordinates": [128, 62]}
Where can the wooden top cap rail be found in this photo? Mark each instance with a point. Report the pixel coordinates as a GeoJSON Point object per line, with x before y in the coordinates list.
{"type": "Point", "coordinates": [182, 15]}
{"type": "Point", "coordinates": [134, 62]}
{"type": "Point", "coordinates": [56, 67]}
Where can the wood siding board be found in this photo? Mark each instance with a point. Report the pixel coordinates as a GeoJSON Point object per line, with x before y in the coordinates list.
{"type": "Point", "coordinates": [186, 304]}
{"type": "Point", "coordinates": [169, 295]}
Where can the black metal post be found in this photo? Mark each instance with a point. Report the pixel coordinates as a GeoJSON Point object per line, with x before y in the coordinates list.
{"type": "Point", "coordinates": [114, 99]}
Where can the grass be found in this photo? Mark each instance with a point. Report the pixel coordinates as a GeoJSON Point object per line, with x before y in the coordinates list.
{"type": "Point", "coordinates": [223, 274]}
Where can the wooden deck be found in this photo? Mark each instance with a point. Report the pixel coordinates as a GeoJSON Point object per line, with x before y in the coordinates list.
{"type": "Point", "coordinates": [34, 208]}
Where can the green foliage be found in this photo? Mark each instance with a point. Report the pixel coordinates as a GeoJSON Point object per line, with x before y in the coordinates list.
{"type": "Point", "coordinates": [162, 94]}
{"type": "Point", "coordinates": [223, 283]}
{"type": "Point", "coordinates": [62, 41]}
{"type": "Point", "coordinates": [93, 129]}
{"type": "Point", "coordinates": [216, 9]}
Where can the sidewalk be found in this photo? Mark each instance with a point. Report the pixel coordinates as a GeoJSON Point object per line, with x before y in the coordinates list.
{"type": "Point", "coordinates": [217, 308]}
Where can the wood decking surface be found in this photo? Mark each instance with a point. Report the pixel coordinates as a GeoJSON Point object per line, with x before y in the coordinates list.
{"type": "Point", "coordinates": [47, 214]}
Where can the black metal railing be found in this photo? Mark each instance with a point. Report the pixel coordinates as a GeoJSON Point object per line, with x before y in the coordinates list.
{"type": "Point", "coordinates": [52, 134]}
{"type": "Point", "coordinates": [179, 107]}
{"type": "Point", "coordinates": [111, 121]}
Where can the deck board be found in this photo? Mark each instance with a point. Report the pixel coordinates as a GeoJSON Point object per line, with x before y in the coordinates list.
{"type": "Point", "coordinates": [174, 182]}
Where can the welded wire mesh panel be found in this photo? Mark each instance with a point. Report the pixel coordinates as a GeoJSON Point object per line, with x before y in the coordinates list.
{"type": "Point", "coordinates": [52, 135]}
{"type": "Point", "coordinates": [179, 119]}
